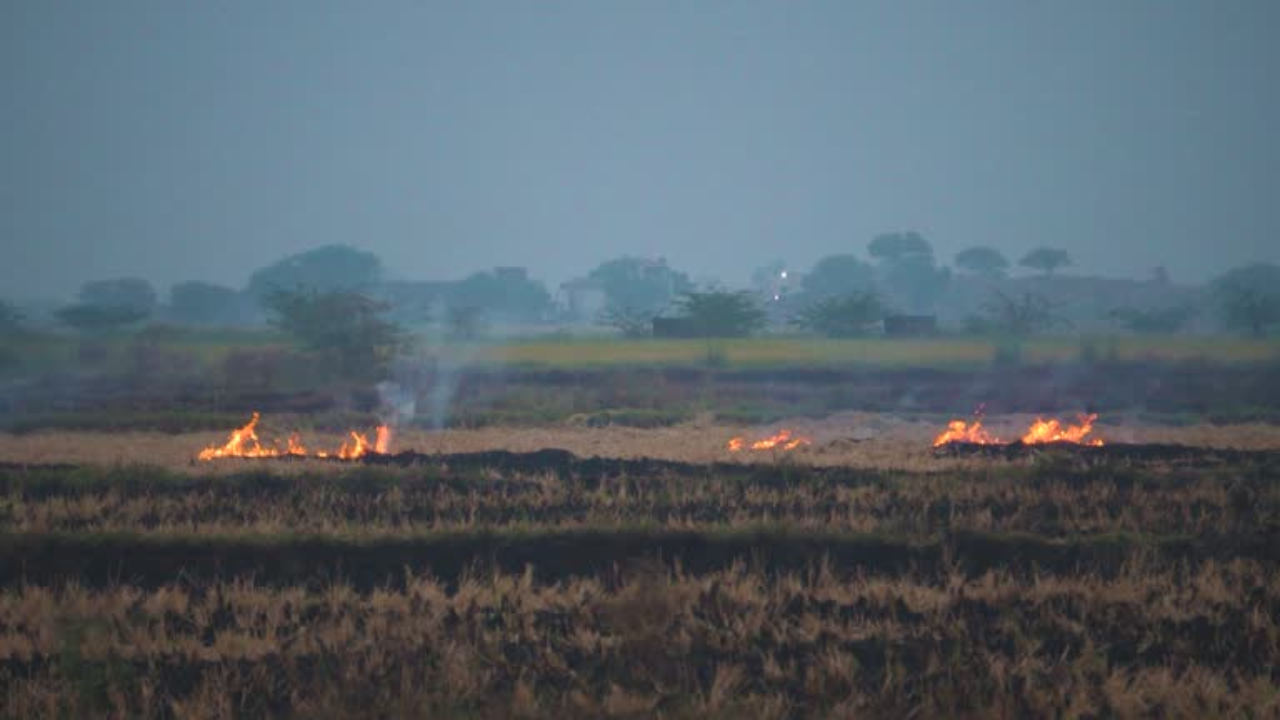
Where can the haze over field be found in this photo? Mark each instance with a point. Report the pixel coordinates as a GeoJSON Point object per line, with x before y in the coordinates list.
{"type": "Point", "coordinates": [179, 141]}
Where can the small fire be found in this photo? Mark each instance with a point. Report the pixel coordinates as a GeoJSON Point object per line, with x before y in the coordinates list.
{"type": "Point", "coordinates": [965, 432]}
{"type": "Point", "coordinates": [1051, 431]}
{"type": "Point", "coordinates": [244, 442]}
{"type": "Point", "coordinates": [781, 440]}
{"type": "Point", "coordinates": [1041, 431]}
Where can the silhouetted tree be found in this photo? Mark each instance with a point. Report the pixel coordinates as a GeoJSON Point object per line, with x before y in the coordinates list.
{"type": "Point", "coordinates": [130, 293]}
{"type": "Point", "coordinates": [982, 260]}
{"type": "Point", "coordinates": [1249, 297]}
{"type": "Point", "coordinates": [893, 247]}
{"type": "Point", "coordinates": [722, 314]}
{"type": "Point", "coordinates": [648, 285]}
{"type": "Point", "coordinates": [844, 316]}
{"type": "Point", "coordinates": [324, 269]}
{"type": "Point", "coordinates": [512, 296]}
{"type": "Point", "coordinates": [915, 282]}
{"type": "Point", "coordinates": [837, 275]}
{"type": "Point", "coordinates": [1020, 317]}
{"type": "Point", "coordinates": [200, 303]}
{"type": "Point", "coordinates": [1046, 260]}
{"type": "Point", "coordinates": [907, 272]}
{"type": "Point", "coordinates": [344, 324]}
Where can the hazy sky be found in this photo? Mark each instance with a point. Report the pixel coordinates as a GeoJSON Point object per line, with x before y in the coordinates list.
{"type": "Point", "coordinates": [200, 140]}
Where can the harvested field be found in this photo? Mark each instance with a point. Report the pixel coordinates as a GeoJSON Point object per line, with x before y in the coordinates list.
{"type": "Point", "coordinates": [653, 640]}
{"type": "Point", "coordinates": [641, 572]}
{"type": "Point", "coordinates": [865, 440]}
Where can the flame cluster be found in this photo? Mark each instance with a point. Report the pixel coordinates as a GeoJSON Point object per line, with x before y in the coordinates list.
{"type": "Point", "coordinates": [781, 440]}
{"type": "Point", "coordinates": [244, 443]}
{"type": "Point", "coordinates": [1041, 431]}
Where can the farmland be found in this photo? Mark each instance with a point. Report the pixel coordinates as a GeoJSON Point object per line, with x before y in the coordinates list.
{"type": "Point", "coordinates": [573, 535]}
{"type": "Point", "coordinates": [794, 585]}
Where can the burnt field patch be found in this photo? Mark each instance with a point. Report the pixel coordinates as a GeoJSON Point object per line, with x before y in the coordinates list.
{"type": "Point", "coordinates": [503, 583]}
{"type": "Point", "coordinates": [1051, 499]}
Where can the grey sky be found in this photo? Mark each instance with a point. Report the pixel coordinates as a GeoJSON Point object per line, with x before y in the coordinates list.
{"type": "Point", "coordinates": [201, 140]}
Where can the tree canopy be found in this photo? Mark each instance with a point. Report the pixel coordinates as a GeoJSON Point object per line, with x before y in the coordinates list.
{"type": "Point", "coordinates": [503, 295]}
{"type": "Point", "coordinates": [326, 268]}
{"type": "Point", "coordinates": [722, 314]}
{"type": "Point", "coordinates": [982, 260]}
{"type": "Point", "coordinates": [1020, 317]}
{"type": "Point", "coordinates": [1248, 297]}
{"type": "Point", "coordinates": [648, 285]}
{"type": "Point", "coordinates": [838, 275]}
{"type": "Point", "coordinates": [843, 316]}
{"type": "Point", "coordinates": [130, 292]}
{"type": "Point", "coordinates": [896, 246]}
{"type": "Point", "coordinates": [340, 323]}
{"type": "Point", "coordinates": [1046, 259]}
{"type": "Point", "coordinates": [201, 303]}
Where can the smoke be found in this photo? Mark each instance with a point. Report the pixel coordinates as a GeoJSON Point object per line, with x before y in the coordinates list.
{"type": "Point", "coordinates": [434, 375]}
{"type": "Point", "coordinates": [398, 403]}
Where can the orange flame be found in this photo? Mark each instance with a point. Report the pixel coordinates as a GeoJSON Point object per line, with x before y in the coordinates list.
{"type": "Point", "coordinates": [1050, 431]}
{"type": "Point", "coordinates": [782, 440]}
{"type": "Point", "coordinates": [244, 442]}
{"type": "Point", "coordinates": [1041, 431]}
{"type": "Point", "coordinates": [961, 431]}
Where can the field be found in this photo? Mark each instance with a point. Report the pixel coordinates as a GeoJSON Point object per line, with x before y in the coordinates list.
{"type": "Point", "coordinates": [658, 573]}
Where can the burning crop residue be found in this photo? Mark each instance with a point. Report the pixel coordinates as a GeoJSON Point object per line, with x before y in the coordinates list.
{"type": "Point", "coordinates": [781, 440]}
{"type": "Point", "coordinates": [1040, 432]}
{"type": "Point", "coordinates": [244, 443]}
{"type": "Point", "coordinates": [965, 432]}
{"type": "Point", "coordinates": [1051, 431]}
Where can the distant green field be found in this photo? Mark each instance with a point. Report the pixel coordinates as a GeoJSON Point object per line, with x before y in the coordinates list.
{"type": "Point", "coordinates": [208, 348]}
{"type": "Point", "coordinates": [813, 352]}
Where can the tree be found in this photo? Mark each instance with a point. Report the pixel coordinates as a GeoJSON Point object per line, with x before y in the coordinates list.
{"type": "Point", "coordinates": [915, 282]}
{"type": "Point", "coordinates": [131, 293]}
{"type": "Point", "coordinates": [631, 322]}
{"type": "Point", "coordinates": [200, 303]}
{"type": "Point", "coordinates": [341, 323]}
{"type": "Point", "coordinates": [981, 260]}
{"type": "Point", "coordinates": [722, 314]}
{"type": "Point", "coordinates": [324, 269]}
{"type": "Point", "coordinates": [1045, 259]}
{"type": "Point", "coordinates": [648, 285]}
{"type": "Point", "coordinates": [503, 294]}
{"type": "Point", "coordinates": [1248, 297]}
{"type": "Point", "coordinates": [1020, 317]}
{"type": "Point", "coordinates": [907, 270]}
{"type": "Point", "coordinates": [838, 275]}
{"type": "Point", "coordinates": [893, 247]}
{"type": "Point", "coordinates": [99, 318]}
{"type": "Point", "coordinates": [845, 316]}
